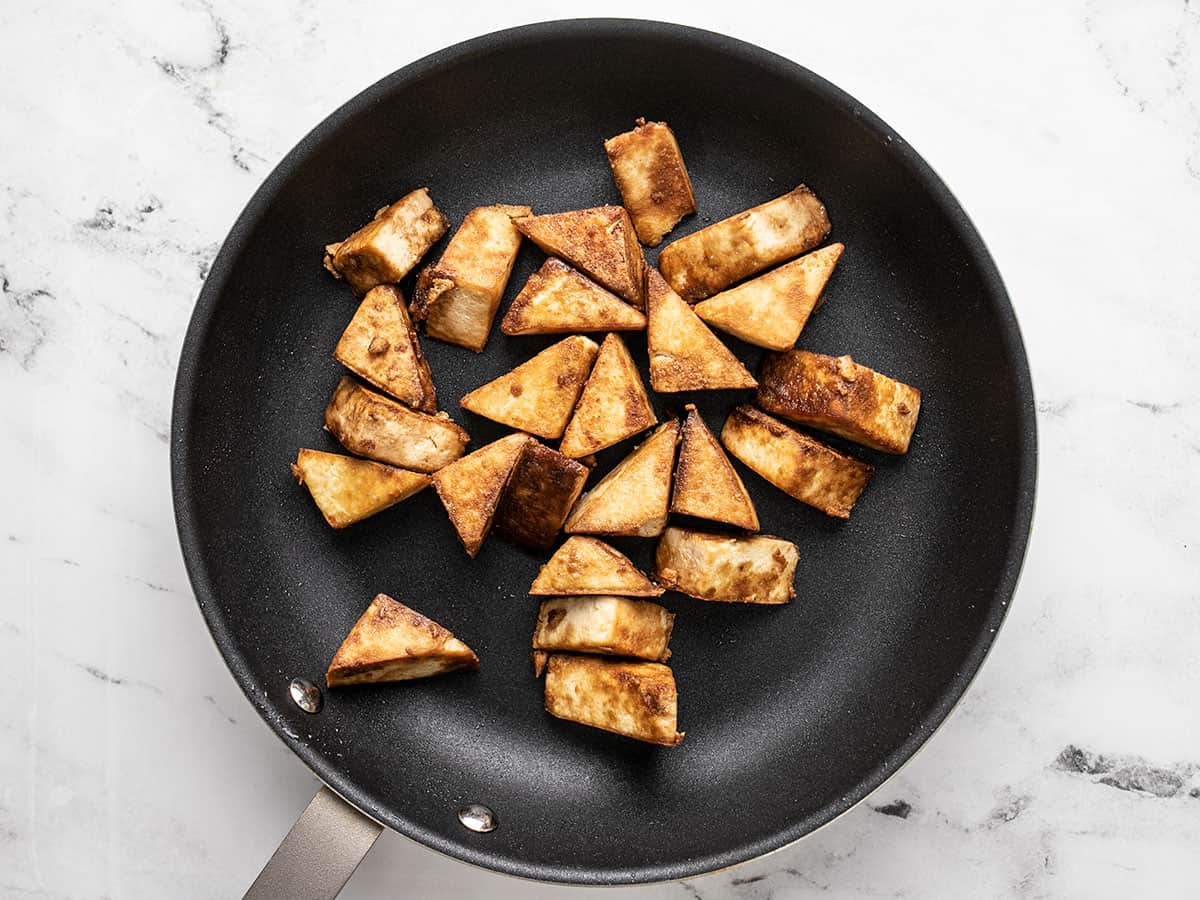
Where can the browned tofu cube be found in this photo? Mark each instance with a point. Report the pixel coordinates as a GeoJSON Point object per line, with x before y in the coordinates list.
{"type": "Point", "coordinates": [541, 491]}
{"type": "Point", "coordinates": [616, 626]}
{"type": "Point", "coordinates": [458, 296]}
{"type": "Point", "coordinates": [713, 258]}
{"type": "Point", "coordinates": [634, 699]}
{"type": "Point", "coordinates": [754, 569]}
{"type": "Point", "coordinates": [388, 247]}
{"type": "Point", "coordinates": [348, 490]}
{"type": "Point", "coordinates": [559, 300]}
{"type": "Point", "coordinates": [470, 488]}
{"type": "Point", "coordinates": [796, 464]}
{"type": "Point", "coordinates": [381, 346]}
{"type": "Point", "coordinates": [836, 394]}
{"type": "Point", "coordinates": [585, 565]}
{"type": "Point", "coordinates": [649, 171]}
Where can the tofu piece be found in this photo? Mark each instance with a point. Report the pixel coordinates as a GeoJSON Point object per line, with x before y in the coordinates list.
{"type": "Point", "coordinates": [771, 310]}
{"type": "Point", "coordinates": [470, 488]}
{"type": "Point", "coordinates": [751, 569]}
{"type": "Point", "coordinates": [795, 463]}
{"type": "Point", "coordinates": [600, 242]}
{"type": "Point", "coordinates": [391, 642]}
{"type": "Point", "coordinates": [633, 498]}
{"type": "Point", "coordinates": [713, 258]}
{"type": "Point", "coordinates": [388, 247]}
{"type": "Point", "coordinates": [538, 395]}
{"type": "Point", "coordinates": [348, 490]}
{"type": "Point", "coordinates": [684, 354]}
{"type": "Point", "coordinates": [706, 485]}
{"type": "Point", "coordinates": [380, 346]}
{"type": "Point", "coordinates": [585, 565]}
{"type": "Point", "coordinates": [459, 294]}
{"type": "Point", "coordinates": [649, 171]}
{"type": "Point", "coordinates": [614, 626]}
{"type": "Point", "coordinates": [557, 299]}
{"type": "Point", "coordinates": [379, 428]}
{"type": "Point", "coordinates": [634, 699]}
{"type": "Point", "coordinates": [541, 491]}
{"type": "Point", "coordinates": [837, 395]}
{"type": "Point", "coordinates": [614, 404]}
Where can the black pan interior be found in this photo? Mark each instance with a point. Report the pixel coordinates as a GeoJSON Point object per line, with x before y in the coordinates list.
{"type": "Point", "coordinates": [793, 714]}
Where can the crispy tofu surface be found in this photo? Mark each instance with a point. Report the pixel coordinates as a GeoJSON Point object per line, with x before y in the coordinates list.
{"type": "Point", "coordinates": [378, 427]}
{"type": "Point", "coordinates": [706, 484]}
{"type": "Point", "coordinates": [684, 354]}
{"type": "Point", "coordinates": [381, 346]}
{"type": "Point", "coordinates": [751, 569]}
{"type": "Point", "coordinates": [634, 699]}
{"type": "Point", "coordinates": [459, 294]}
{"type": "Point", "coordinates": [600, 242]}
{"type": "Point", "coordinates": [348, 490]}
{"type": "Point", "coordinates": [470, 488]}
{"type": "Point", "coordinates": [649, 171]}
{"type": "Point", "coordinates": [391, 642]}
{"type": "Point", "coordinates": [616, 626]}
{"type": "Point", "coordinates": [795, 463]}
{"type": "Point", "coordinates": [388, 247]}
{"type": "Point", "coordinates": [633, 498]}
{"type": "Point", "coordinates": [772, 309]}
{"type": "Point", "coordinates": [585, 565]}
{"type": "Point", "coordinates": [711, 259]}
{"type": "Point", "coordinates": [557, 299]}
{"type": "Point", "coordinates": [539, 395]}
{"type": "Point", "coordinates": [541, 491]}
{"type": "Point", "coordinates": [837, 395]}
{"type": "Point", "coordinates": [614, 404]}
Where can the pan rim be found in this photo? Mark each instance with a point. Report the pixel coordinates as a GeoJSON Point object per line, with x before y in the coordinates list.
{"type": "Point", "coordinates": [582, 29]}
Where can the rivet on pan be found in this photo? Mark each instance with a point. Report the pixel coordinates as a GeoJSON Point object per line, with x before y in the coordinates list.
{"type": "Point", "coordinates": [477, 817]}
{"type": "Point", "coordinates": [305, 694]}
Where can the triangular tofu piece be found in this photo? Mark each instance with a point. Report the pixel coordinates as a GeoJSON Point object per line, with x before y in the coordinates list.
{"type": "Point", "coordinates": [633, 498]}
{"type": "Point", "coordinates": [347, 489]}
{"type": "Point", "coordinates": [538, 396]}
{"type": "Point", "coordinates": [557, 299]}
{"type": "Point", "coordinates": [585, 565]}
{"type": "Point", "coordinates": [600, 242]}
{"type": "Point", "coordinates": [614, 404]}
{"type": "Point", "coordinates": [684, 354]}
{"type": "Point", "coordinates": [381, 345]}
{"type": "Point", "coordinates": [471, 487]}
{"type": "Point", "coordinates": [772, 309]}
{"type": "Point", "coordinates": [706, 484]}
{"type": "Point", "coordinates": [391, 642]}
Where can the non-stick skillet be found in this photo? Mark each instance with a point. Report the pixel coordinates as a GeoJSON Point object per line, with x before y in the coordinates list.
{"type": "Point", "coordinates": [793, 714]}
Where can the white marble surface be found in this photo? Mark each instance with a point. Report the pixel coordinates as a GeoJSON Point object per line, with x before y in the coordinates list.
{"type": "Point", "coordinates": [134, 133]}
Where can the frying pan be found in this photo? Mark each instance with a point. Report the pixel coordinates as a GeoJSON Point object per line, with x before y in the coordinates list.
{"type": "Point", "coordinates": [793, 714]}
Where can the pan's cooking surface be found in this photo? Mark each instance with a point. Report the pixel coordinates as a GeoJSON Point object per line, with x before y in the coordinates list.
{"type": "Point", "coordinates": [792, 713]}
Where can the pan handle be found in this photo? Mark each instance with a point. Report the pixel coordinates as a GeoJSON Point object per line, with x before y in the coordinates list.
{"type": "Point", "coordinates": [319, 854]}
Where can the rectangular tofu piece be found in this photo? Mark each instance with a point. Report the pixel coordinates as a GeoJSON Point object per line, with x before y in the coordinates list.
{"type": "Point", "coordinates": [540, 492]}
{"type": "Point", "coordinates": [796, 464]}
{"type": "Point", "coordinates": [379, 428]}
{"type": "Point", "coordinates": [459, 294]}
{"type": "Point", "coordinates": [649, 171]}
{"type": "Point", "coordinates": [711, 259]}
{"type": "Point", "coordinates": [634, 699]}
{"type": "Point", "coordinates": [616, 626]}
{"type": "Point", "coordinates": [388, 247]}
{"type": "Point", "coordinates": [837, 395]}
{"type": "Point", "coordinates": [754, 569]}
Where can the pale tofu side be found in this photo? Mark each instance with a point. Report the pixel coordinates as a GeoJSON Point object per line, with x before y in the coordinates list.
{"type": "Point", "coordinates": [470, 488]}
{"type": "Point", "coordinates": [381, 346]}
{"type": "Point", "coordinates": [615, 626]}
{"type": "Point", "coordinates": [458, 295]}
{"type": "Point", "coordinates": [713, 258]}
{"type": "Point", "coordinates": [558, 300]}
{"type": "Point", "coordinates": [614, 404]}
{"type": "Point", "coordinates": [634, 699]}
{"type": "Point", "coordinates": [379, 428]}
{"type": "Point", "coordinates": [838, 395]}
{"type": "Point", "coordinates": [348, 490]}
{"type": "Point", "coordinates": [586, 565]}
{"type": "Point", "coordinates": [795, 463]}
{"type": "Point", "coordinates": [648, 168]}
{"type": "Point", "coordinates": [706, 484]}
{"type": "Point", "coordinates": [753, 569]}
{"type": "Point", "coordinates": [543, 487]}
{"type": "Point", "coordinates": [388, 247]}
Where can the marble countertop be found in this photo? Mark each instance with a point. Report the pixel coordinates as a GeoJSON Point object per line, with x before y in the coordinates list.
{"type": "Point", "coordinates": [132, 765]}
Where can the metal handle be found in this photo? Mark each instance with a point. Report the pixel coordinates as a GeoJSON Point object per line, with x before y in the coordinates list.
{"type": "Point", "coordinates": [319, 854]}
